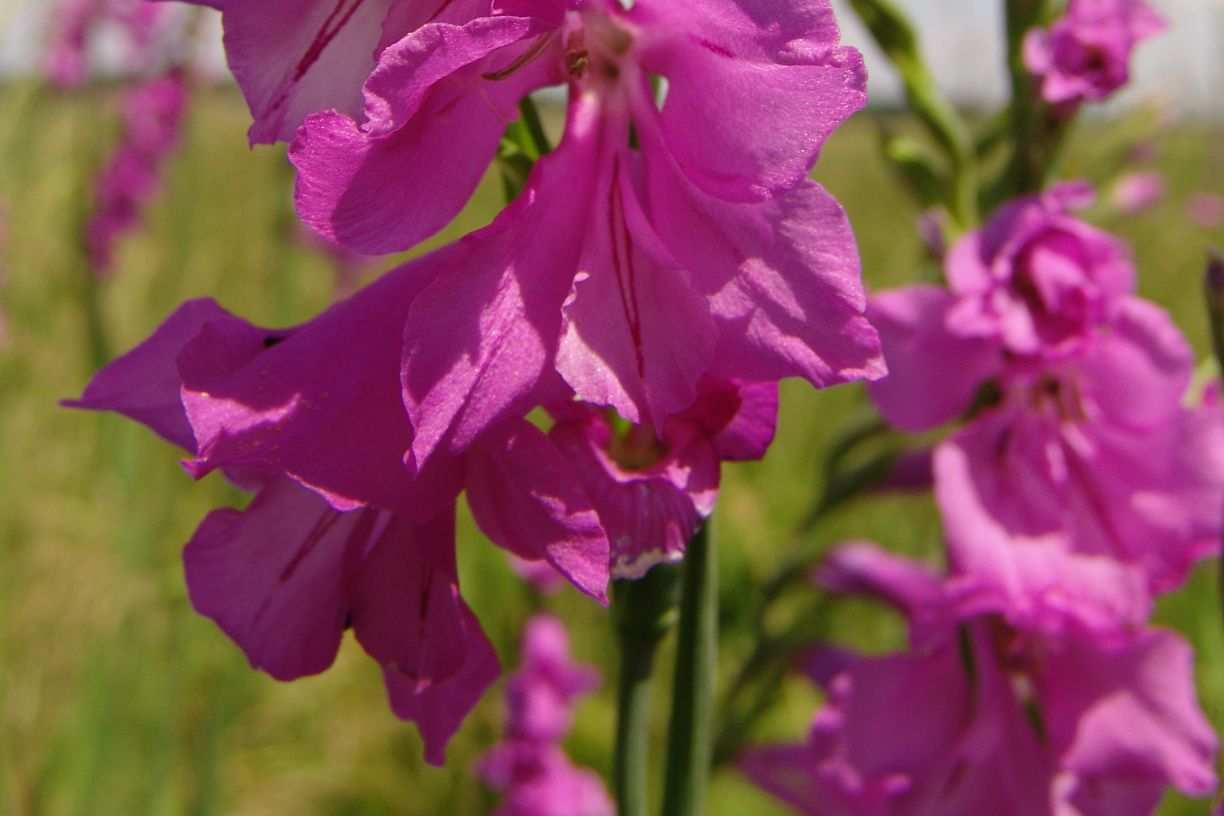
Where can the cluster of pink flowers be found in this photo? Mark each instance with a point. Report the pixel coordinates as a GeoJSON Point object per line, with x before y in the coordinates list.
{"type": "Point", "coordinates": [659, 272]}
{"type": "Point", "coordinates": [1078, 485]}
{"type": "Point", "coordinates": [985, 714]}
{"type": "Point", "coordinates": [529, 767]}
{"type": "Point", "coordinates": [152, 114]}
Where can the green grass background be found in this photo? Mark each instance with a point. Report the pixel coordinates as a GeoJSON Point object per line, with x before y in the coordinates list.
{"type": "Point", "coordinates": [115, 698]}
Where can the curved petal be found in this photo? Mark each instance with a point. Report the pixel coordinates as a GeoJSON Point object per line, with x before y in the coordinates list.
{"type": "Point", "coordinates": [439, 709]}
{"type": "Point", "coordinates": [754, 88]}
{"type": "Point", "coordinates": [433, 122]}
{"type": "Point", "coordinates": [782, 277]}
{"type": "Point", "coordinates": [1130, 712]}
{"type": "Point", "coordinates": [275, 576]}
{"type": "Point", "coordinates": [527, 499]}
{"type": "Point", "coordinates": [863, 568]}
{"type": "Point", "coordinates": [740, 419]}
{"type": "Point", "coordinates": [933, 374]}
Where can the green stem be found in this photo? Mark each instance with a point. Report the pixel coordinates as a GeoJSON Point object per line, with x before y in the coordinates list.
{"type": "Point", "coordinates": [1038, 131]}
{"type": "Point", "coordinates": [690, 732]}
{"type": "Point", "coordinates": [535, 127]}
{"type": "Point", "coordinates": [644, 611]}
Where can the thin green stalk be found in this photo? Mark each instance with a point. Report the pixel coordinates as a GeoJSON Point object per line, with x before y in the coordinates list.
{"type": "Point", "coordinates": [535, 127]}
{"type": "Point", "coordinates": [644, 611]}
{"type": "Point", "coordinates": [895, 34]}
{"type": "Point", "coordinates": [689, 738]}
{"type": "Point", "coordinates": [1037, 130]}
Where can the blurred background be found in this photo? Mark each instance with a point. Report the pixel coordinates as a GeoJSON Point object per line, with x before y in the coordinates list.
{"type": "Point", "coordinates": [115, 698]}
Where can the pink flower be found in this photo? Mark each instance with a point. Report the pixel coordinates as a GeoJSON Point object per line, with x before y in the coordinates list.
{"type": "Point", "coordinates": [1206, 210]}
{"type": "Point", "coordinates": [1085, 56]}
{"type": "Point", "coordinates": [663, 265]}
{"type": "Point", "coordinates": [542, 693]}
{"type": "Point", "coordinates": [652, 493]}
{"type": "Point", "coordinates": [1080, 486]}
{"type": "Point", "coordinates": [529, 767]}
{"type": "Point", "coordinates": [539, 780]}
{"type": "Point", "coordinates": [152, 117]}
{"type": "Point", "coordinates": [1136, 192]}
{"type": "Point", "coordinates": [981, 717]}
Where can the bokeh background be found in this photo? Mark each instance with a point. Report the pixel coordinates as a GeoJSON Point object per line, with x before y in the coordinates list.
{"type": "Point", "coordinates": [115, 698]}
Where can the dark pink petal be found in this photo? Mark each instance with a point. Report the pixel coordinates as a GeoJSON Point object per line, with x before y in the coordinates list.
{"type": "Point", "coordinates": [740, 419]}
{"type": "Point", "coordinates": [406, 609]}
{"type": "Point", "coordinates": [933, 374]}
{"type": "Point", "coordinates": [439, 709]}
{"type": "Point", "coordinates": [432, 124]}
{"type": "Point", "coordinates": [526, 497]}
{"type": "Point", "coordinates": [479, 340]}
{"type": "Point", "coordinates": [649, 514]}
{"type": "Point", "coordinates": [275, 576]}
{"type": "Point", "coordinates": [782, 277]}
{"type": "Point", "coordinates": [1130, 713]}
{"type": "Point", "coordinates": [294, 400]}
{"type": "Point", "coordinates": [144, 383]}
{"type": "Point", "coordinates": [754, 88]}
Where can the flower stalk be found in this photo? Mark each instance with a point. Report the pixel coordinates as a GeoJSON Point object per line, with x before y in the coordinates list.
{"type": "Point", "coordinates": [644, 611]}
{"type": "Point", "coordinates": [690, 733]}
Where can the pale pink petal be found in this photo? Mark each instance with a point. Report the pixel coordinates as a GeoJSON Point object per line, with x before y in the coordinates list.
{"type": "Point", "coordinates": [1130, 712]}
{"type": "Point", "coordinates": [933, 374]}
{"type": "Point", "coordinates": [754, 88]}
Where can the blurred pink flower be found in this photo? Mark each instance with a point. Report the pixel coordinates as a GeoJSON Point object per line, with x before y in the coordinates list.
{"type": "Point", "coordinates": [1080, 486]}
{"type": "Point", "coordinates": [1206, 210]}
{"type": "Point", "coordinates": [152, 118]}
{"type": "Point", "coordinates": [981, 717]}
{"type": "Point", "coordinates": [1085, 55]}
{"type": "Point", "coordinates": [1135, 192]}
{"type": "Point", "coordinates": [67, 52]}
{"type": "Point", "coordinates": [529, 768]}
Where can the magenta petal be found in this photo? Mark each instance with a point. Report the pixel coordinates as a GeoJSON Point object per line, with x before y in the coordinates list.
{"type": "Point", "coordinates": [478, 341]}
{"type": "Point", "coordinates": [273, 576]}
{"type": "Point", "coordinates": [527, 499]}
{"type": "Point", "coordinates": [406, 609]}
{"type": "Point", "coordinates": [439, 709]}
{"type": "Point", "coordinates": [293, 400]}
{"type": "Point", "coordinates": [754, 88]}
{"type": "Point", "coordinates": [1130, 712]}
{"type": "Point", "coordinates": [432, 125]}
{"type": "Point", "coordinates": [740, 419]}
{"type": "Point", "coordinates": [144, 383]}
{"type": "Point", "coordinates": [649, 514]}
{"type": "Point", "coordinates": [782, 276]}
{"type": "Point", "coordinates": [933, 374]}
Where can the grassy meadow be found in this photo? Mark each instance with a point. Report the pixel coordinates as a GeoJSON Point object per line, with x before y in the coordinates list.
{"type": "Point", "coordinates": [116, 698]}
